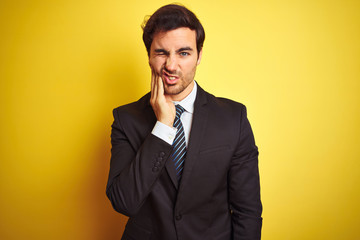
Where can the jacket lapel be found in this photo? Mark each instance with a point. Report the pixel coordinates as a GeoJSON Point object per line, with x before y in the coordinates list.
{"type": "Point", "coordinates": [170, 167]}
{"type": "Point", "coordinates": [196, 135]}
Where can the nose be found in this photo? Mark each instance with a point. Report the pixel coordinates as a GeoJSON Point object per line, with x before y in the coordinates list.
{"type": "Point", "coordinates": [171, 64]}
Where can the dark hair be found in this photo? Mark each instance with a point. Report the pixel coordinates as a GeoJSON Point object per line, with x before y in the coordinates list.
{"type": "Point", "coordinates": [170, 17]}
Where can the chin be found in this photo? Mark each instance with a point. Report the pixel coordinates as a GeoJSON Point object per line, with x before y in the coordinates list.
{"type": "Point", "coordinates": [173, 90]}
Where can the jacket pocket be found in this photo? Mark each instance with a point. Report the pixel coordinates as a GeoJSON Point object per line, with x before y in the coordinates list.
{"type": "Point", "coordinates": [215, 149]}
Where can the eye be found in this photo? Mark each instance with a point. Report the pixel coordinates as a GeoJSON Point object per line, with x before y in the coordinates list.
{"type": "Point", "coordinates": [184, 54]}
{"type": "Point", "coordinates": [161, 52]}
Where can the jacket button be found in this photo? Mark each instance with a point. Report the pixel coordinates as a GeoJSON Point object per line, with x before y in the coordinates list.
{"type": "Point", "coordinates": [157, 164]}
{"type": "Point", "coordinates": [178, 217]}
{"type": "Point", "coordinates": [155, 169]}
{"type": "Point", "coordinates": [162, 154]}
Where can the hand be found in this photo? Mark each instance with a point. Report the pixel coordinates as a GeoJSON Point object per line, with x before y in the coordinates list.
{"type": "Point", "coordinates": [161, 103]}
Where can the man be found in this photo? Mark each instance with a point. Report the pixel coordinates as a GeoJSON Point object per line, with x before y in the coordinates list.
{"type": "Point", "coordinates": [184, 163]}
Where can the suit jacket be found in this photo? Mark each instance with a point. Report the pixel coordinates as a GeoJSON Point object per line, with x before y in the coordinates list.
{"type": "Point", "coordinates": [218, 197]}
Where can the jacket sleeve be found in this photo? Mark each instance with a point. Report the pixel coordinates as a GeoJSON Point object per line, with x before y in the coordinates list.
{"type": "Point", "coordinates": [244, 185]}
{"type": "Point", "coordinates": [133, 170]}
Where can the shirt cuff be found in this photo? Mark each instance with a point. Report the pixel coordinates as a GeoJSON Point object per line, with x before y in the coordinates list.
{"type": "Point", "coordinates": [164, 132]}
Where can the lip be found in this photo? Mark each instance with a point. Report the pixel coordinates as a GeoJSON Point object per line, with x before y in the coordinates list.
{"type": "Point", "coordinates": [167, 79]}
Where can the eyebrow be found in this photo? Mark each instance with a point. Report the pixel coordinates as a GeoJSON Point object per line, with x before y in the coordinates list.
{"type": "Point", "coordinates": [161, 50]}
{"type": "Point", "coordinates": [185, 49]}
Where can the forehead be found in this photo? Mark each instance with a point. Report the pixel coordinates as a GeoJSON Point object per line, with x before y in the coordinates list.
{"type": "Point", "coordinates": [176, 38]}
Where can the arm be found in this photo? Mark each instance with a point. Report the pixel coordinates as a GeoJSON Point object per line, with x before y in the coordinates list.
{"type": "Point", "coordinates": [133, 172]}
{"type": "Point", "coordinates": [244, 186]}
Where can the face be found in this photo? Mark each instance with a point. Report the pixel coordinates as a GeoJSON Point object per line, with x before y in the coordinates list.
{"type": "Point", "coordinates": [174, 57]}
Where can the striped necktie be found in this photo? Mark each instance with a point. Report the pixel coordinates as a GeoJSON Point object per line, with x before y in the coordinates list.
{"type": "Point", "coordinates": [179, 144]}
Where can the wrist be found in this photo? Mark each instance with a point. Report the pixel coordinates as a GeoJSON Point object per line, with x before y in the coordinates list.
{"type": "Point", "coordinates": [168, 122]}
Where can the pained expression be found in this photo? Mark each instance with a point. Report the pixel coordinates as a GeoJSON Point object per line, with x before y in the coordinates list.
{"type": "Point", "coordinates": [174, 57]}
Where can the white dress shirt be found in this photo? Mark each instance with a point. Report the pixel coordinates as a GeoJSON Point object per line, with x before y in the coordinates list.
{"type": "Point", "coordinates": [167, 133]}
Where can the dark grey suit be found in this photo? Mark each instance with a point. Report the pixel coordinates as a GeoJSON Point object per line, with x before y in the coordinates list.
{"type": "Point", "coordinates": [218, 197]}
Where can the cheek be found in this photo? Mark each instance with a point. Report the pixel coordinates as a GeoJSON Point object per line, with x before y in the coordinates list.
{"type": "Point", "coordinates": [190, 67]}
{"type": "Point", "coordinates": [156, 63]}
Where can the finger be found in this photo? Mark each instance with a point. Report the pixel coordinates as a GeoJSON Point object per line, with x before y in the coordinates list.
{"type": "Point", "coordinates": [160, 86]}
{"type": "Point", "coordinates": [156, 87]}
{"type": "Point", "coordinates": [153, 83]}
{"type": "Point", "coordinates": [152, 80]}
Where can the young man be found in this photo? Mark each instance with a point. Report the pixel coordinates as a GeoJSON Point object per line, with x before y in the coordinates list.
{"type": "Point", "coordinates": [184, 163]}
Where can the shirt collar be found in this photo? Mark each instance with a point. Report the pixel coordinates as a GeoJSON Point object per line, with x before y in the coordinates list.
{"type": "Point", "coordinates": [188, 102]}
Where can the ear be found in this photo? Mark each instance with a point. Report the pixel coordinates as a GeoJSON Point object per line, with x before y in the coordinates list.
{"type": "Point", "coordinates": [199, 57]}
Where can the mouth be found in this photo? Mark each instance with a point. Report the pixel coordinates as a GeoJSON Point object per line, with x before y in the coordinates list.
{"type": "Point", "coordinates": [170, 79]}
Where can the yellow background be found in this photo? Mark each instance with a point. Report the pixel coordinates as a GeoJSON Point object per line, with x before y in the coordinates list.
{"type": "Point", "coordinates": [64, 65]}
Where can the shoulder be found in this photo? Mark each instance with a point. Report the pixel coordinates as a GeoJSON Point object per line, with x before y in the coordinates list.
{"type": "Point", "coordinates": [221, 104]}
{"type": "Point", "coordinates": [138, 113]}
{"type": "Point", "coordinates": [136, 107]}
